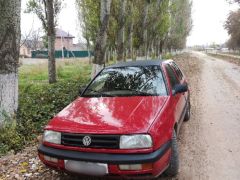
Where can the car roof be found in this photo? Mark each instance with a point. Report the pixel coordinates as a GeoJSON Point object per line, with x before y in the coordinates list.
{"type": "Point", "coordinates": [137, 63]}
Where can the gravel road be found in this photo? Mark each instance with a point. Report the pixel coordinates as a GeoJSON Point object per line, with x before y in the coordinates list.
{"type": "Point", "coordinates": [209, 143]}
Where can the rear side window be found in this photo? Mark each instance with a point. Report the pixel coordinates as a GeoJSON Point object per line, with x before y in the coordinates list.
{"type": "Point", "coordinates": [172, 77]}
{"type": "Point", "coordinates": [177, 70]}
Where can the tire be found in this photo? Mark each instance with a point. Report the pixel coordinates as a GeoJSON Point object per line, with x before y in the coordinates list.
{"type": "Point", "coordinates": [188, 112]}
{"type": "Point", "coordinates": [173, 168]}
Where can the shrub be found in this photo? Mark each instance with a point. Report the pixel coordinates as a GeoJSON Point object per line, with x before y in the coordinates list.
{"type": "Point", "coordinates": [38, 103]}
{"type": "Point", "coordinates": [10, 139]}
{"type": "Point", "coordinates": [167, 56]}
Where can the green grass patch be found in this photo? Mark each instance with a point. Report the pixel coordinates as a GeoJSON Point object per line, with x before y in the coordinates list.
{"type": "Point", "coordinates": [66, 70]}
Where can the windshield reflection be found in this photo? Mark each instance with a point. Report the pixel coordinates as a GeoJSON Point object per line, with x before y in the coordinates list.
{"type": "Point", "coordinates": [128, 81]}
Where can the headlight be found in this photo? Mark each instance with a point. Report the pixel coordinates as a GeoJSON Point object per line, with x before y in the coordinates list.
{"type": "Point", "coordinates": [52, 137]}
{"type": "Point", "coordinates": [135, 141]}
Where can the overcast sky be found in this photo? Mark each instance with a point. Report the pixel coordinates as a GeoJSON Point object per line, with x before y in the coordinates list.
{"type": "Point", "coordinates": [208, 19]}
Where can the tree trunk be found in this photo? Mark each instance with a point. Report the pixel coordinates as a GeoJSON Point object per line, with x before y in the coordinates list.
{"type": "Point", "coordinates": [120, 33]}
{"type": "Point", "coordinates": [106, 56]}
{"type": "Point", "coordinates": [89, 51]}
{"type": "Point", "coordinates": [130, 32]}
{"type": "Point", "coordinates": [101, 40]}
{"type": "Point", "coordinates": [161, 47]}
{"type": "Point", "coordinates": [145, 35]}
{"type": "Point", "coordinates": [9, 56]}
{"type": "Point", "coordinates": [51, 42]}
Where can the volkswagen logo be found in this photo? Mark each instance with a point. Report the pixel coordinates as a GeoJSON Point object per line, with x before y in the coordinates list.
{"type": "Point", "coordinates": [86, 140]}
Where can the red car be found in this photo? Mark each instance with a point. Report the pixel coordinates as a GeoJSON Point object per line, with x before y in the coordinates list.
{"type": "Point", "coordinates": [125, 123]}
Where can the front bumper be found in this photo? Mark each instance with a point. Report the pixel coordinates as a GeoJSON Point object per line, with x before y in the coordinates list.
{"type": "Point", "coordinates": [159, 158]}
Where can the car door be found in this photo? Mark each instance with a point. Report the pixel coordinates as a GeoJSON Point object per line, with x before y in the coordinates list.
{"type": "Point", "coordinates": [180, 77]}
{"type": "Point", "coordinates": [178, 100]}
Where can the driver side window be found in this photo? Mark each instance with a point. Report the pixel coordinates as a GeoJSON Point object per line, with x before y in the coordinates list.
{"type": "Point", "coordinates": [171, 75]}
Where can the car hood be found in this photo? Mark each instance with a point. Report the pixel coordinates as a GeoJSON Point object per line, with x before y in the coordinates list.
{"type": "Point", "coordinates": [108, 115]}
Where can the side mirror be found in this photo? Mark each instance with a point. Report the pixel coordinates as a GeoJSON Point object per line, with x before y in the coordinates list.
{"type": "Point", "coordinates": [180, 88]}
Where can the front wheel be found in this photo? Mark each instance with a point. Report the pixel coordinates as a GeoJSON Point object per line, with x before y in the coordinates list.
{"type": "Point", "coordinates": [172, 170]}
{"type": "Point", "coordinates": [188, 112]}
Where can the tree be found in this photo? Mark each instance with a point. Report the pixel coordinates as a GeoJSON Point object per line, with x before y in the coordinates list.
{"type": "Point", "coordinates": [145, 26]}
{"type": "Point", "coordinates": [101, 40]}
{"type": "Point", "coordinates": [47, 11]}
{"type": "Point", "coordinates": [9, 55]}
{"type": "Point", "coordinates": [51, 41]}
{"type": "Point", "coordinates": [129, 30]}
{"type": "Point", "coordinates": [232, 26]}
{"type": "Point", "coordinates": [120, 32]}
{"type": "Point", "coordinates": [32, 40]}
{"type": "Point", "coordinates": [180, 24]}
{"type": "Point", "coordinates": [88, 16]}
{"type": "Point", "coordinates": [144, 37]}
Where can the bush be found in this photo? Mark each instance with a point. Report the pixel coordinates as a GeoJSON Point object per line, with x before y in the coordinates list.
{"type": "Point", "coordinates": [167, 56]}
{"type": "Point", "coordinates": [38, 103]}
{"type": "Point", "coordinates": [10, 139]}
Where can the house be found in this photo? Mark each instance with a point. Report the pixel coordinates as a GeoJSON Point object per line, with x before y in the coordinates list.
{"type": "Point", "coordinates": [25, 51]}
{"type": "Point", "coordinates": [63, 40]}
{"type": "Point", "coordinates": [79, 47]}
{"type": "Point", "coordinates": [63, 46]}
{"type": "Point", "coordinates": [27, 46]}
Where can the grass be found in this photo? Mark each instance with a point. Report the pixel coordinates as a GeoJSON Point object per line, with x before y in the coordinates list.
{"type": "Point", "coordinates": [66, 70]}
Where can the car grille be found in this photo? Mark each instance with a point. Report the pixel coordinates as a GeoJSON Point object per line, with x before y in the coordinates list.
{"type": "Point", "coordinates": [97, 141]}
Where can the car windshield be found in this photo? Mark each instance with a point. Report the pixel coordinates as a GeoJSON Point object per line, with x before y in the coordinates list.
{"type": "Point", "coordinates": [128, 81]}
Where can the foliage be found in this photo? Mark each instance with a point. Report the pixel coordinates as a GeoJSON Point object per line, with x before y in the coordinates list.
{"type": "Point", "coordinates": [181, 24]}
{"type": "Point", "coordinates": [40, 101]}
{"type": "Point", "coordinates": [88, 13]}
{"type": "Point", "coordinates": [39, 8]}
{"type": "Point", "coordinates": [10, 139]}
{"type": "Point", "coordinates": [232, 26]}
{"type": "Point", "coordinates": [148, 25]}
{"type": "Point", "coordinates": [47, 11]}
{"type": "Point", "coordinates": [167, 56]}
{"type": "Point", "coordinates": [38, 104]}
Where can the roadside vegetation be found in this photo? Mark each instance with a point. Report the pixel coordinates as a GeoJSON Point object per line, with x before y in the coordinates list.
{"type": "Point", "coordinates": [232, 26]}
{"type": "Point", "coordinates": [39, 101]}
{"type": "Point", "coordinates": [227, 57]}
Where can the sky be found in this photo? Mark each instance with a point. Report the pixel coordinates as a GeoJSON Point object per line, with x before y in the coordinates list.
{"type": "Point", "coordinates": [209, 17]}
{"type": "Point", "coordinates": [67, 20]}
{"type": "Point", "coordinates": [208, 20]}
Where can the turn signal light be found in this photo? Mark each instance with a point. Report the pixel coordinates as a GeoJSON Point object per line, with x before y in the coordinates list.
{"type": "Point", "coordinates": [50, 159]}
{"type": "Point", "coordinates": [135, 167]}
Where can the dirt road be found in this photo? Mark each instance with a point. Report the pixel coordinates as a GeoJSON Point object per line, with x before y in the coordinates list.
{"type": "Point", "coordinates": [210, 141]}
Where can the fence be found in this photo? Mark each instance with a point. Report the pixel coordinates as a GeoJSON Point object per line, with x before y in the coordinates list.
{"type": "Point", "coordinates": [59, 54]}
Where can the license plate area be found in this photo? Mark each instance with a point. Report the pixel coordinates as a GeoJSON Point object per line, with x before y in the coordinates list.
{"type": "Point", "coordinates": [87, 168]}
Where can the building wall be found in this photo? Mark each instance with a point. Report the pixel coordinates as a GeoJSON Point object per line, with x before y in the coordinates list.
{"type": "Point", "coordinates": [66, 42]}
{"type": "Point", "coordinates": [24, 51]}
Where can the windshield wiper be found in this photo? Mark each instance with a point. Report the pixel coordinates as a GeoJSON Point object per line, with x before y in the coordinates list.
{"type": "Point", "coordinates": [136, 91]}
{"type": "Point", "coordinates": [98, 93]}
